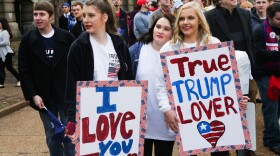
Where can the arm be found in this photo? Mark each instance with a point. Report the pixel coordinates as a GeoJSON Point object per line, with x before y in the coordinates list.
{"type": "Point", "coordinates": [25, 69]}
{"type": "Point", "coordinates": [6, 39]}
{"type": "Point", "coordinates": [129, 73]}
{"type": "Point", "coordinates": [169, 115]}
{"type": "Point", "coordinates": [72, 75]}
{"type": "Point", "coordinates": [140, 25]}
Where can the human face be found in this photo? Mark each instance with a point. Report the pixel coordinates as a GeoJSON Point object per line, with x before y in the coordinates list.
{"type": "Point", "coordinates": [77, 11]}
{"type": "Point", "coordinates": [261, 5]}
{"type": "Point", "coordinates": [165, 4]}
{"type": "Point", "coordinates": [65, 9]}
{"type": "Point", "coordinates": [42, 19]}
{"type": "Point", "coordinates": [1, 26]}
{"type": "Point", "coordinates": [94, 21]}
{"type": "Point", "coordinates": [162, 31]}
{"type": "Point", "coordinates": [189, 23]}
{"type": "Point", "coordinates": [228, 4]}
{"type": "Point", "coordinates": [275, 21]}
{"type": "Point", "coordinates": [117, 3]}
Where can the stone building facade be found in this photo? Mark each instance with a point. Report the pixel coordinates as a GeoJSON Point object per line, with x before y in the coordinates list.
{"type": "Point", "coordinates": [19, 13]}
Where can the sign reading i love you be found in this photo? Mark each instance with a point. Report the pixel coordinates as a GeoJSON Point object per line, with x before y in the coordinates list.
{"type": "Point", "coordinates": [111, 117]}
{"type": "Point", "coordinates": [203, 87]}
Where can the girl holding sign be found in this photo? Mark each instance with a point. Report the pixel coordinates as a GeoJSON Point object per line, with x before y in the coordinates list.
{"type": "Point", "coordinates": [144, 57]}
{"type": "Point", "coordinates": [191, 30]}
{"type": "Point", "coordinates": [98, 54]}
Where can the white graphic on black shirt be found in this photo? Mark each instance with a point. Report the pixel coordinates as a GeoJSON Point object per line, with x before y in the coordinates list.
{"type": "Point", "coordinates": [49, 53]}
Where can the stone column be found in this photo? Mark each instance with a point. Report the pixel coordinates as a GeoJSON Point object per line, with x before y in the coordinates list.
{"type": "Point", "coordinates": [26, 14]}
{"type": "Point", "coordinates": [7, 10]}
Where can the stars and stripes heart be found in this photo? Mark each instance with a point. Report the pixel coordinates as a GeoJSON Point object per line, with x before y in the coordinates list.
{"type": "Point", "coordinates": [212, 132]}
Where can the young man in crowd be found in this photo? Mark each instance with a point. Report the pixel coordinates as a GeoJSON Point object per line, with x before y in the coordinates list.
{"type": "Point", "coordinates": [228, 22]}
{"type": "Point", "coordinates": [141, 19]}
{"type": "Point", "coordinates": [78, 28]}
{"type": "Point", "coordinates": [259, 12]}
{"type": "Point", "coordinates": [42, 61]}
{"type": "Point", "coordinates": [122, 20]}
{"type": "Point", "coordinates": [67, 20]}
{"type": "Point", "coordinates": [267, 66]}
{"type": "Point", "coordinates": [165, 7]}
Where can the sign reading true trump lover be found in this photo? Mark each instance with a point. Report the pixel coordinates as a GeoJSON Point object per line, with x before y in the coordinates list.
{"type": "Point", "coordinates": [111, 118]}
{"type": "Point", "coordinates": [203, 87]}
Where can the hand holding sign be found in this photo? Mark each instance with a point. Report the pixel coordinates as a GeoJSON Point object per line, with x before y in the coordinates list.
{"type": "Point", "coordinates": [171, 120]}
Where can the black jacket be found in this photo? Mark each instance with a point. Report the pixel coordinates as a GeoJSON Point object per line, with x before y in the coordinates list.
{"type": "Point", "coordinates": [256, 21]}
{"type": "Point", "coordinates": [78, 28]}
{"type": "Point", "coordinates": [264, 57]}
{"type": "Point", "coordinates": [219, 29]}
{"type": "Point", "coordinates": [123, 26]}
{"type": "Point", "coordinates": [80, 66]}
{"type": "Point", "coordinates": [37, 75]}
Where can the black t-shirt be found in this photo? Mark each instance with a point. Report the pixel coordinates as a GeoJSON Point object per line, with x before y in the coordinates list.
{"type": "Point", "coordinates": [49, 47]}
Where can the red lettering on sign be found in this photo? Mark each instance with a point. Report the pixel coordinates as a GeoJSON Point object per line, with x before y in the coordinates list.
{"type": "Point", "coordinates": [126, 117]}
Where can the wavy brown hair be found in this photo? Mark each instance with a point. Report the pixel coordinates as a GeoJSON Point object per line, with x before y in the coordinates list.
{"type": "Point", "coordinates": [203, 28]}
{"type": "Point", "coordinates": [106, 7]}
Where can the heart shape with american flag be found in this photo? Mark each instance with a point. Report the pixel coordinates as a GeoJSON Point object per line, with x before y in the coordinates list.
{"type": "Point", "coordinates": [212, 131]}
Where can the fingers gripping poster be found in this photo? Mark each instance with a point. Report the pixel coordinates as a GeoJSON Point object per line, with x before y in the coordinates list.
{"type": "Point", "coordinates": [203, 88]}
{"type": "Point", "coordinates": [111, 118]}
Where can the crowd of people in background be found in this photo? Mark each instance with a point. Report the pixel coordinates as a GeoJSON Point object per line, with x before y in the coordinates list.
{"type": "Point", "coordinates": [89, 36]}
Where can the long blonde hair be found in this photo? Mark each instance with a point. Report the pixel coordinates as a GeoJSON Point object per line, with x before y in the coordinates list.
{"type": "Point", "coordinates": [203, 28]}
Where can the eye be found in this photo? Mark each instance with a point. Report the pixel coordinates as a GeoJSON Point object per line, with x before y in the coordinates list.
{"type": "Point", "coordinates": [158, 26]}
{"type": "Point", "coordinates": [167, 29]}
{"type": "Point", "coordinates": [190, 17]}
{"type": "Point", "coordinates": [181, 18]}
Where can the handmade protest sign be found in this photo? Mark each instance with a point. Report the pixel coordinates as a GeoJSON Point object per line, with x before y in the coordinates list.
{"type": "Point", "coordinates": [203, 87]}
{"type": "Point", "coordinates": [111, 117]}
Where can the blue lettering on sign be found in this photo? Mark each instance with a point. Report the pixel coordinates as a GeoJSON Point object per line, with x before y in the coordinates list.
{"type": "Point", "coordinates": [115, 148]}
{"type": "Point", "coordinates": [199, 90]}
{"type": "Point", "coordinates": [106, 106]}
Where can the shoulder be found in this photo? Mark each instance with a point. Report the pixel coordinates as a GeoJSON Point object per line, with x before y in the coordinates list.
{"type": "Point", "coordinates": [210, 12]}
{"type": "Point", "coordinates": [166, 47]}
{"type": "Point", "coordinates": [214, 40]}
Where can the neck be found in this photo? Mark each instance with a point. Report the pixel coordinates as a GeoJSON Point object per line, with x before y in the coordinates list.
{"type": "Point", "coordinates": [118, 8]}
{"type": "Point", "coordinates": [46, 30]}
{"type": "Point", "coordinates": [190, 39]}
{"type": "Point", "coordinates": [80, 18]}
{"type": "Point", "coordinates": [100, 37]}
{"type": "Point", "coordinates": [262, 15]}
{"type": "Point", "coordinates": [230, 9]}
{"type": "Point", "coordinates": [156, 46]}
{"type": "Point", "coordinates": [143, 9]}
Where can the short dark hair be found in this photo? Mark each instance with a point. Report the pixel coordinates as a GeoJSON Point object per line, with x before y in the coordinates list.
{"type": "Point", "coordinates": [78, 3]}
{"type": "Point", "coordinates": [216, 3]}
{"type": "Point", "coordinates": [272, 9]}
{"type": "Point", "coordinates": [45, 6]}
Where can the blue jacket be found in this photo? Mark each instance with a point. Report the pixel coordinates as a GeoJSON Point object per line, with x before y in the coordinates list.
{"type": "Point", "coordinates": [134, 51]}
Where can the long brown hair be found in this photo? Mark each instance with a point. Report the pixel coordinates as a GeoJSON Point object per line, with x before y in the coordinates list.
{"type": "Point", "coordinates": [203, 29]}
{"type": "Point", "coordinates": [106, 7]}
{"type": "Point", "coordinates": [6, 26]}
